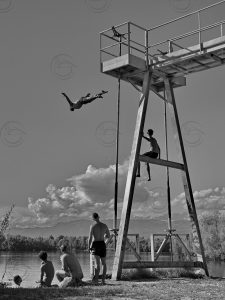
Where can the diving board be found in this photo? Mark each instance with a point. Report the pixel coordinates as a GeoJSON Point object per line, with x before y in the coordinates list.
{"type": "Point", "coordinates": [161, 162]}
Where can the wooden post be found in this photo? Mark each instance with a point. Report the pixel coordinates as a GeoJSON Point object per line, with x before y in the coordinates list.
{"type": "Point", "coordinates": [152, 247]}
{"type": "Point", "coordinates": [131, 177]}
{"type": "Point", "coordinates": [188, 238]}
{"type": "Point", "coordinates": [137, 244]}
{"type": "Point", "coordinates": [197, 240]}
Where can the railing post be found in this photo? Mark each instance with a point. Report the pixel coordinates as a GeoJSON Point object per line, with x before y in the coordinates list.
{"type": "Point", "coordinates": [188, 238]}
{"type": "Point", "coordinates": [199, 33]}
{"type": "Point", "coordinates": [137, 244]}
{"type": "Point", "coordinates": [100, 49]}
{"type": "Point", "coordinates": [152, 247]}
{"type": "Point", "coordinates": [221, 29]}
{"type": "Point", "coordinates": [146, 48]}
{"type": "Point", "coordinates": [170, 46]}
{"type": "Point", "coordinates": [128, 36]}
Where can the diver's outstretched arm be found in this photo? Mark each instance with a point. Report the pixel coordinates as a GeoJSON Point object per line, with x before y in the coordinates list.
{"type": "Point", "coordinates": [88, 99]}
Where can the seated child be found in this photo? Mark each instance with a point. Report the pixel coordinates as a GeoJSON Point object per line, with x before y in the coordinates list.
{"type": "Point", "coordinates": [47, 270]}
{"type": "Point", "coordinates": [71, 273]}
{"type": "Point", "coordinates": [17, 280]}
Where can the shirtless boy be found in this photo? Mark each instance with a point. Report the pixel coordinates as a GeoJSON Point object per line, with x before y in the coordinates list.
{"type": "Point", "coordinates": [47, 270]}
{"type": "Point", "coordinates": [96, 244]}
{"type": "Point", "coordinates": [153, 153]}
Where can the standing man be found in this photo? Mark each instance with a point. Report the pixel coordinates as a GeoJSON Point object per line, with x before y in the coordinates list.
{"type": "Point", "coordinates": [153, 153]}
{"type": "Point", "coordinates": [96, 244]}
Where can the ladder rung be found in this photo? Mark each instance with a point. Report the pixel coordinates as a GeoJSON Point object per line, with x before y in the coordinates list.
{"type": "Point", "coordinates": [161, 162]}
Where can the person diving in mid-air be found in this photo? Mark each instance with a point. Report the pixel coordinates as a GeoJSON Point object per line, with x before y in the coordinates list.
{"type": "Point", "coordinates": [83, 100]}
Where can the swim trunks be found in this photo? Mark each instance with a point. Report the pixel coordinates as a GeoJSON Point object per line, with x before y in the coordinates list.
{"type": "Point", "coordinates": [98, 248]}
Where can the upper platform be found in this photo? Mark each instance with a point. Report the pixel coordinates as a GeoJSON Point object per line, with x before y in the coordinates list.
{"type": "Point", "coordinates": [126, 51]}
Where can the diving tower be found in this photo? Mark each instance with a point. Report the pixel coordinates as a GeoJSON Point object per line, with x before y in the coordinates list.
{"type": "Point", "coordinates": [160, 67]}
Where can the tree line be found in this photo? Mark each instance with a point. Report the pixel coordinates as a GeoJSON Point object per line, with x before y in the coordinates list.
{"type": "Point", "coordinates": [51, 243]}
{"type": "Point", "coordinates": [212, 227]}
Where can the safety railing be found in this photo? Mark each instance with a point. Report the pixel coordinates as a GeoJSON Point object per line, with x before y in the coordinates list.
{"type": "Point", "coordinates": [170, 42]}
{"type": "Point", "coordinates": [122, 39]}
{"type": "Point", "coordinates": [129, 38]}
{"type": "Point", "coordinates": [182, 247]}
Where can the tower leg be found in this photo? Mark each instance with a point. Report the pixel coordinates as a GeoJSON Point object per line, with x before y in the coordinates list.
{"type": "Point", "coordinates": [131, 177]}
{"type": "Point", "coordinates": [197, 240]}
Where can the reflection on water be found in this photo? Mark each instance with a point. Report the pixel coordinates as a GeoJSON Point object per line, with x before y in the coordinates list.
{"type": "Point", "coordinates": [216, 269]}
{"type": "Point", "coordinates": [27, 265]}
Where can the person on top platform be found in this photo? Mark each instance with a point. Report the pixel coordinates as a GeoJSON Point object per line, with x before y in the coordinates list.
{"type": "Point", "coordinates": [96, 244]}
{"type": "Point", "coordinates": [153, 153]}
{"type": "Point", "coordinates": [83, 100]}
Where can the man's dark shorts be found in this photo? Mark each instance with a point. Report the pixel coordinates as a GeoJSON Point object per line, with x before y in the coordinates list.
{"type": "Point", "coordinates": [98, 248]}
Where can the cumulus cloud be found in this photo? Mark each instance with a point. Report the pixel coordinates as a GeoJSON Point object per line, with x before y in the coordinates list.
{"type": "Point", "coordinates": [20, 216]}
{"type": "Point", "coordinates": [205, 200]}
{"type": "Point", "coordinates": [94, 191]}
{"type": "Point", "coordinates": [60, 204]}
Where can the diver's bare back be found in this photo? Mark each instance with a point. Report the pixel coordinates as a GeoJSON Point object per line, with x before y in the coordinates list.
{"type": "Point", "coordinates": [99, 230]}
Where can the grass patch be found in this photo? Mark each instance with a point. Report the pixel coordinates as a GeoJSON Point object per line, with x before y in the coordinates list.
{"type": "Point", "coordinates": [86, 292]}
{"type": "Point", "coordinates": [165, 288]}
{"type": "Point", "coordinates": [143, 274]}
{"type": "Point", "coordinates": [179, 273]}
{"type": "Point", "coordinates": [138, 274]}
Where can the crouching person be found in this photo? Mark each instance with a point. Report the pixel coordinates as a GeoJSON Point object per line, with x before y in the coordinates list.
{"type": "Point", "coordinates": [47, 270]}
{"type": "Point", "coordinates": [71, 274]}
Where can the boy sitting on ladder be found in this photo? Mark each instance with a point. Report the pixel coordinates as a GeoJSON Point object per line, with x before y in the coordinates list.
{"type": "Point", "coordinates": [153, 153]}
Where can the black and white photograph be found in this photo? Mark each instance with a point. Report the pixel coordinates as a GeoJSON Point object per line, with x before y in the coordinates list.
{"type": "Point", "coordinates": [112, 136]}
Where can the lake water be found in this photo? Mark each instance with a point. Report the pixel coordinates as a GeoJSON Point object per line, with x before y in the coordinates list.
{"type": "Point", "coordinates": [27, 265]}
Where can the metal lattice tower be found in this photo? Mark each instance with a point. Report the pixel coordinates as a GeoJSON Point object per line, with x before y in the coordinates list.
{"type": "Point", "coordinates": [157, 67]}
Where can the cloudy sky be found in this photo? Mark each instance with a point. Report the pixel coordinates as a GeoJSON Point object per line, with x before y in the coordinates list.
{"type": "Point", "coordinates": [58, 165]}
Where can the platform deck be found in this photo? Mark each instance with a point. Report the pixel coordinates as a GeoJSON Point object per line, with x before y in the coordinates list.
{"type": "Point", "coordinates": [177, 64]}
